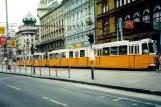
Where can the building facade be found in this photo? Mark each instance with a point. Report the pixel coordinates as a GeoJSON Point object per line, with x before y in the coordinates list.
{"type": "Point", "coordinates": [76, 16]}
{"type": "Point", "coordinates": [26, 35]}
{"type": "Point", "coordinates": [109, 12]}
{"type": "Point", "coordinates": [51, 28]}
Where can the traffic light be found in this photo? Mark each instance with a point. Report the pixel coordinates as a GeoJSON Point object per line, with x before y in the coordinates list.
{"type": "Point", "coordinates": [90, 38]}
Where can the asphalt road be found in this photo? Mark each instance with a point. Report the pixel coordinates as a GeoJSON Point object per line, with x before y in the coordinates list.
{"type": "Point", "coordinates": [19, 91]}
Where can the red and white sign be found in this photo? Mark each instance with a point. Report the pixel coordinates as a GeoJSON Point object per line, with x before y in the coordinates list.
{"type": "Point", "coordinates": [3, 41]}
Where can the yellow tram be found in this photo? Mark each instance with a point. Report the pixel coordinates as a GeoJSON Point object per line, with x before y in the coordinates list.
{"type": "Point", "coordinates": [120, 54]}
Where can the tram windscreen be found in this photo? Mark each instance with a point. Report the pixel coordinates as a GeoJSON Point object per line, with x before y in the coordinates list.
{"type": "Point", "coordinates": [151, 48]}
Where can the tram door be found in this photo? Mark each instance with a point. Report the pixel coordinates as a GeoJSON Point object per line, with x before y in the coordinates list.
{"type": "Point", "coordinates": [98, 54]}
{"type": "Point", "coordinates": [136, 55]}
{"type": "Point", "coordinates": [131, 56]}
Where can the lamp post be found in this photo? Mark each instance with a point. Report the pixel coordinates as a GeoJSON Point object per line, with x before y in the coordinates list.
{"type": "Point", "coordinates": [32, 52]}
{"type": "Point", "coordinates": [7, 39]}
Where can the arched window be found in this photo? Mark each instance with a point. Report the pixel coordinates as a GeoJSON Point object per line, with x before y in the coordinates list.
{"type": "Point", "coordinates": [127, 17]}
{"type": "Point", "coordinates": [119, 19]}
{"type": "Point", "coordinates": [146, 16]}
{"type": "Point", "coordinates": [105, 28]}
{"type": "Point", "coordinates": [136, 17]}
{"type": "Point", "coordinates": [157, 14]}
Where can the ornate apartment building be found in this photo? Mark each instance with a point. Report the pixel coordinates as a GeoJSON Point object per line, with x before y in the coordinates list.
{"type": "Point", "coordinates": [110, 11]}
{"type": "Point", "coordinates": [26, 35]}
{"type": "Point", "coordinates": [76, 15]}
{"type": "Point", "coordinates": [51, 29]}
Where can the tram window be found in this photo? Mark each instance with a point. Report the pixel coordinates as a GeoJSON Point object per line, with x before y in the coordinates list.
{"type": "Point", "coordinates": [98, 52]}
{"type": "Point", "coordinates": [136, 49]}
{"type": "Point", "coordinates": [151, 48]}
{"type": "Point", "coordinates": [59, 55]}
{"type": "Point", "coordinates": [105, 51]}
{"type": "Point", "coordinates": [95, 52]}
{"type": "Point", "coordinates": [114, 51]}
{"type": "Point", "coordinates": [55, 55]}
{"type": "Point", "coordinates": [64, 55]}
{"type": "Point", "coordinates": [76, 54]}
{"type": "Point", "coordinates": [50, 56]}
{"type": "Point", "coordinates": [145, 48]}
{"type": "Point", "coordinates": [71, 54]}
{"type": "Point", "coordinates": [123, 50]}
{"type": "Point", "coordinates": [82, 53]}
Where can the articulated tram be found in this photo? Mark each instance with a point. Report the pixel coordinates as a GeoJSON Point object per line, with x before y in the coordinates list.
{"type": "Point", "coordinates": [120, 54]}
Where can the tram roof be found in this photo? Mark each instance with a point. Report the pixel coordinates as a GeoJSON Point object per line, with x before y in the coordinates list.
{"type": "Point", "coordinates": [117, 43]}
{"type": "Point", "coordinates": [58, 51]}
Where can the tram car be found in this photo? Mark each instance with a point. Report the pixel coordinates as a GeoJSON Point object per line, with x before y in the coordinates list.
{"type": "Point", "coordinates": [121, 54]}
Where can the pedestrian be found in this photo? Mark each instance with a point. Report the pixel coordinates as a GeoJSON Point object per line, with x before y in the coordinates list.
{"type": "Point", "coordinates": [157, 61]}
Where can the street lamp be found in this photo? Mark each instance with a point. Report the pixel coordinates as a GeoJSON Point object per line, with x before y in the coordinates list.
{"type": "Point", "coordinates": [7, 35]}
{"type": "Point", "coordinates": [32, 52]}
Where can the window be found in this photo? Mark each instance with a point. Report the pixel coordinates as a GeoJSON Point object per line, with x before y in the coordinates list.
{"type": "Point", "coordinates": [63, 55]}
{"type": "Point", "coordinates": [131, 50]}
{"type": "Point", "coordinates": [145, 48]}
{"type": "Point", "coordinates": [114, 51]}
{"type": "Point", "coordinates": [136, 17]}
{"type": "Point", "coordinates": [123, 50]}
{"type": "Point", "coordinates": [71, 54]}
{"type": "Point", "coordinates": [76, 54]}
{"type": "Point", "coordinates": [105, 51]}
{"type": "Point", "coordinates": [146, 16]}
{"type": "Point", "coordinates": [157, 14]}
{"type": "Point", "coordinates": [82, 53]}
{"type": "Point", "coordinates": [127, 17]}
{"type": "Point", "coordinates": [105, 7]}
{"type": "Point", "coordinates": [105, 28]}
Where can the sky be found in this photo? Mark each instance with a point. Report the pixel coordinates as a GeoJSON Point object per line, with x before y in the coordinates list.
{"type": "Point", "coordinates": [17, 9]}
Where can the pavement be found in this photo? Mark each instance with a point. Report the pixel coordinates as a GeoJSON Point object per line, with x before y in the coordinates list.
{"type": "Point", "coordinates": [136, 81]}
{"type": "Point", "coordinates": [22, 91]}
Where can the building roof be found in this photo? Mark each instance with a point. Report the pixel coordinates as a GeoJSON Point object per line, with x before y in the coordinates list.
{"type": "Point", "coordinates": [29, 19]}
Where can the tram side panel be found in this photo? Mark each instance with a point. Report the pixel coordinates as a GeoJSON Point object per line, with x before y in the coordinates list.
{"type": "Point", "coordinates": [82, 62]}
{"type": "Point", "coordinates": [114, 61]}
{"type": "Point", "coordinates": [131, 60]}
{"type": "Point", "coordinates": [143, 61]}
{"type": "Point", "coordinates": [64, 62]}
{"type": "Point", "coordinates": [72, 62]}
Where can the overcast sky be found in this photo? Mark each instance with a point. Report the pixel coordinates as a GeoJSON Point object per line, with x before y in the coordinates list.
{"type": "Point", "coordinates": [17, 9]}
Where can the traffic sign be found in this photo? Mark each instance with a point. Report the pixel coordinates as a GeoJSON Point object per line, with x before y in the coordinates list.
{"type": "Point", "coordinates": [157, 26]}
{"type": "Point", "coordinates": [3, 41]}
{"type": "Point", "coordinates": [2, 30]}
{"type": "Point", "coordinates": [129, 24]}
{"type": "Point", "coordinates": [92, 57]}
{"type": "Point", "coordinates": [13, 43]}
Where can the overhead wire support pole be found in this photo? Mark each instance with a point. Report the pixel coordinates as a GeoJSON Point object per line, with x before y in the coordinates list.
{"type": "Point", "coordinates": [7, 36]}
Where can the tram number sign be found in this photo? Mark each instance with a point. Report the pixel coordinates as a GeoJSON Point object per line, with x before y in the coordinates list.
{"type": "Point", "coordinates": [92, 57]}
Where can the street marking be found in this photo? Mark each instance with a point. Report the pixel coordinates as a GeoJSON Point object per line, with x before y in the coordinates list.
{"type": "Point", "coordinates": [117, 99]}
{"type": "Point", "coordinates": [45, 98]}
{"type": "Point", "coordinates": [59, 103]}
{"type": "Point", "coordinates": [13, 87]}
{"type": "Point", "coordinates": [102, 96]}
{"type": "Point", "coordinates": [120, 98]}
{"type": "Point", "coordinates": [134, 104]}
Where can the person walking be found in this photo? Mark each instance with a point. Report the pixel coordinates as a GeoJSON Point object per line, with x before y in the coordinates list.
{"type": "Point", "coordinates": [157, 61]}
